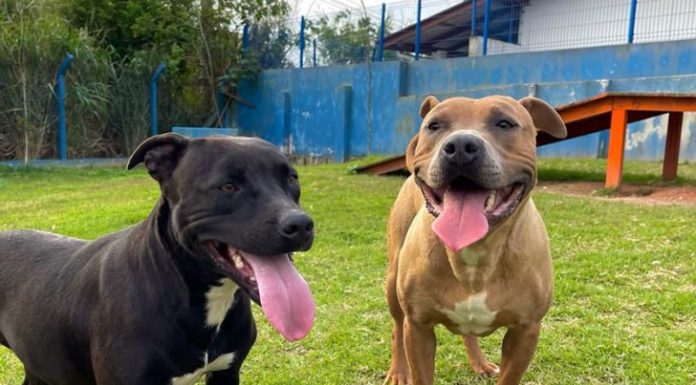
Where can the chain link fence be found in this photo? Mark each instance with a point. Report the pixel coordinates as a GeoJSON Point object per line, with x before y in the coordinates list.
{"type": "Point", "coordinates": [428, 29]}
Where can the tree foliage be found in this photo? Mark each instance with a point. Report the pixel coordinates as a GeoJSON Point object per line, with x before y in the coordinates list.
{"type": "Point", "coordinates": [117, 43]}
{"type": "Point", "coordinates": [346, 37]}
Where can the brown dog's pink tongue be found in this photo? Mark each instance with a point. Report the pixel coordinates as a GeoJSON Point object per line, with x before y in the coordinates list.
{"type": "Point", "coordinates": [462, 221]}
{"type": "Point", "coordinates": [285, 297]}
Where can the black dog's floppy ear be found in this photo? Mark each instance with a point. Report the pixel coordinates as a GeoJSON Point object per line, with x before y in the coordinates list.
{"type": "Point", "coordinates": [428, 104]}
{"type": "Point", "coordinates": [160, 153]}
{"type": "Point", "coordinates": [545, 117]}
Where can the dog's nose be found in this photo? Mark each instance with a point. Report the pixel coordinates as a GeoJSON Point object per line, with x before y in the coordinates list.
{"type": "Point", "coordinates": [462, 149]}
{"type": "Point", "coordinates": [297, 228]}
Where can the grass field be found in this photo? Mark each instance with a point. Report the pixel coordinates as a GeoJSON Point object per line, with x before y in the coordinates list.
{"type": "Point", "coordinates": [625, 276]}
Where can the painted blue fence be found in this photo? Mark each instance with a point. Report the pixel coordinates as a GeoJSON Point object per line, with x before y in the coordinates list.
{"type": "Point", "coordinates": [326, 111]}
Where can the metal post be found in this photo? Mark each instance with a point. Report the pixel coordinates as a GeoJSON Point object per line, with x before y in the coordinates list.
{"type": "Point", "coordinates": [302, 43]}
{"type": "Point", "coordinates": [418, 31]}
{"type": "Point", "coordinates": [245, 37]}
{"type": "Point", "coordinates": [153, 98]}
{"type": "Point", "coordinates": [632, 20]}
{"type": "Point", "coordinates": [380, 45]}
{"type": "Point", "coordinates": [221, 109]}
{"type": "Point", "coordinates": [314, 51]}
{"type": "Point", "coordinates": [486, 16]}
{"type": "Point", "coordinates": [511, 21]}
{"type": "Point", "coordinates": [473, 17]}
{"type": "Point", "coordinates": [60, 90]}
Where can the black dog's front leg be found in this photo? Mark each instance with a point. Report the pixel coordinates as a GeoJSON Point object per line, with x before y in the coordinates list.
{"type": "Point", "coordinates": [237, 334]}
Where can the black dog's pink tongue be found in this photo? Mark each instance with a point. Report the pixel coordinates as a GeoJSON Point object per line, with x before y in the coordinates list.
{"type": "Point", "coordinates": [285, 297]}
{"type": "Point", "coordinates": [462, 220]}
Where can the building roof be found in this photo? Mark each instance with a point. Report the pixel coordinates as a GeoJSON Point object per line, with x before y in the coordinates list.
{"type": "Point", "coordinates": [450, 29]}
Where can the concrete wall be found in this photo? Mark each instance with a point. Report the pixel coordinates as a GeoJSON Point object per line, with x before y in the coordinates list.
{"type": "Point", "coordinates": [353, 110]}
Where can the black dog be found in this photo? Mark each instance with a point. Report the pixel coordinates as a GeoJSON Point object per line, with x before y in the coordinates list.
{"type": "Point", "coordinates": [159, 303]}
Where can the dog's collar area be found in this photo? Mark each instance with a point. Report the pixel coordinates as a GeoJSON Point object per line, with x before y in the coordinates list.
{"type": "Point", "coordinates": [236, 267]}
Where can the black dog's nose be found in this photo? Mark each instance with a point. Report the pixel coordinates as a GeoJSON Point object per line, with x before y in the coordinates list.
{"type": "Point", "coordinates": [462, 149]}
{"type": "Point", "coordinates": [297, 228]}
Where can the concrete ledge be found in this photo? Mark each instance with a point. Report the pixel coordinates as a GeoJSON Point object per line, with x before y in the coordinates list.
{"type": "Point", "coordinates": [202, 132]}
{"type": "Point", "coordinates": [86, 162]}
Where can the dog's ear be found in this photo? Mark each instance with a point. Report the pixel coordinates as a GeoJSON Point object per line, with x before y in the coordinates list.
{"type": "Point", "coordinates": [428, 104]}
{"type": "Point", "coordinates": [545, 117]}
{"type": "Point", "coordinates": [410, 152]}
{"type": "Point", "coordinates": [160, 153]}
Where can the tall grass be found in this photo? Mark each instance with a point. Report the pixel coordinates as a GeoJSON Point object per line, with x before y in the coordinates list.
{"type": "Point", "coordinates": [106, 100]}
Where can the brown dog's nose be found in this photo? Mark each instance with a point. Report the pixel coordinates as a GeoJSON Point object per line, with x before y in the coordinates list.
{"type": "Point", "coordinates": [297, 228]}
{"type": "Point", "coordinates": [462, 149]}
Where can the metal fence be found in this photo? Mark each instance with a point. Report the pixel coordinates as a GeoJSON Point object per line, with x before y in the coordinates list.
{"type": "Point", "coordinates": [425, 29]}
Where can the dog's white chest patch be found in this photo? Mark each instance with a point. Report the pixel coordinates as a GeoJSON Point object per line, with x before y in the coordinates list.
{"type": "Point", "coordinates": [219, 301]}
{"type": "Point", "coordinates": [471, 316]}
{"type": "Point", "coordinates": [222, 362]}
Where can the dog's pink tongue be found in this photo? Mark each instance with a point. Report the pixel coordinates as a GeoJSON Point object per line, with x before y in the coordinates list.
{"type": "Point", "coordinates": [285, 297]}
{"type": "Point", "coordinates": [462, 221]}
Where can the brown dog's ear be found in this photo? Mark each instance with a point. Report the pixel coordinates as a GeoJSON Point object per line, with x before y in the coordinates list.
{"type": "Point", "coordinates": [161, 153]}
{"type": "Point", "coordinates": [410, 152]}
{"type": "Point", "coordinates": [428, 104]}
{"type": "Point", "coordinates": [545, 117]}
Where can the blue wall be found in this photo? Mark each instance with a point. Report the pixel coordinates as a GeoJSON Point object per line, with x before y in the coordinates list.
{"type": "Point", "coordinates": [330, 111]}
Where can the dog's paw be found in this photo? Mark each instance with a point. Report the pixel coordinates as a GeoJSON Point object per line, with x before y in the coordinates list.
{"type": "Point", "coordinates": [396, 377]}
{"type": "Point", "coordinates": [486, 369]}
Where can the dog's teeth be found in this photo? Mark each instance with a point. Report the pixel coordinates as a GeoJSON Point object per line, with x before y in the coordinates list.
{"type": "Point", "coordinates": [238, 263]}
{"type": "Point", "coordinates": [252, 279]}
{"type": "Point", "coordinates": [490, 201]}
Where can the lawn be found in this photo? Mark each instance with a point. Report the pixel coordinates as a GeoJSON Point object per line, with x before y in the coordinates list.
{"type": "Point", "coordinates": [625, 276]}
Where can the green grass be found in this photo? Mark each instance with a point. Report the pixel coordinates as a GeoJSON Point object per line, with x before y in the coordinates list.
{"type": "Point", "coordinates": [593, 170]}
{"type": "Point", "coordinates": [625, 276]}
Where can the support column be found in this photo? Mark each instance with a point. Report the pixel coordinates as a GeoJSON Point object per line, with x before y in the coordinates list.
{"type": "Point", "coordinates": [671, 160]}
{"type": "Point", "coordinates": [342, 139]}
{"type": "Point", "coordinates": [617, 141]}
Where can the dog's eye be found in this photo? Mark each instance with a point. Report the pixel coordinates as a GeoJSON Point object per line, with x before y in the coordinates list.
{"type": "Point", "coordinates": [228, 187]}
{"type": "Point", "coordinates": [292, 179]}
{"type": "Point", "coordinates": [505, 125]}
{"type": "Point", "coordinates": [433, 126]}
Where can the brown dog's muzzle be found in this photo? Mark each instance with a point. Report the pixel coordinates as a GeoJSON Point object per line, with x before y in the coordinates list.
{"type": "Point", "coordinates": [467, 190]}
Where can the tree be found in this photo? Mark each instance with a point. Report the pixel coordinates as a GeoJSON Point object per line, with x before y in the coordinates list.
{"type": "Point", "coordinates": [346, 37]}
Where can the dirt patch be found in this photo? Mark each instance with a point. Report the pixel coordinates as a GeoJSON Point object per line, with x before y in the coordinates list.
{"type": "Point", "coordinates": [639, 194]}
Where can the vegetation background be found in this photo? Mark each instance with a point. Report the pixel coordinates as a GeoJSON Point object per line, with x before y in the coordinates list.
{"type": "Point", "coordinates": [118, 43]}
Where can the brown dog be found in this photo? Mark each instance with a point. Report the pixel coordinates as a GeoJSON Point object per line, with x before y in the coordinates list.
{"type": "Point", "coordinates": [467, 247]}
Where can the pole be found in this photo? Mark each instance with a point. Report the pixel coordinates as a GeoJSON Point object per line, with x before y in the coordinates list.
{"type": "Point", "coordinates": [314, 51]}
{"type": "Point", "coordinates": [302, 43]}
{"type": "Point", "coordinates": [486, 16]}
{"type": "Point", "coordinates": [473, 17]}
{"type": "Point", "coordinates": [380, 46]}
{"type": "Point", "coordinates": [418, 31]}
{"type": "Point", "coordinates": [632, 20]}
{"type": "Point", "coordinates": [245, 38]}
{"type": "Point", "coordinates": [511, 21]}
{"type": "Point", "coordinates": [62, 125]}
{"type": "Point", "coordinates": [153, 98]}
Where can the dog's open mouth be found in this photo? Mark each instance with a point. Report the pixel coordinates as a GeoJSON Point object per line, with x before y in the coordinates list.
{"type": "Point", "coordinates": [272, 282]}
{"type": "Point", "coordinates": [236, 267]}
{"type": "Point", "coordinates": [465, 210]}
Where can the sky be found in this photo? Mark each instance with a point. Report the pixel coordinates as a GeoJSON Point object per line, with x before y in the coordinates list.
{"type": "Point", "coordinates": [401, 11]}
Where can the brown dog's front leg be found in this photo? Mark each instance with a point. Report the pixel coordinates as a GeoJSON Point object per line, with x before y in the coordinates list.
{"type": "Point", "coordinates": [519, 345]}
{"type": "Point", "coordinates": [419, 341]}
